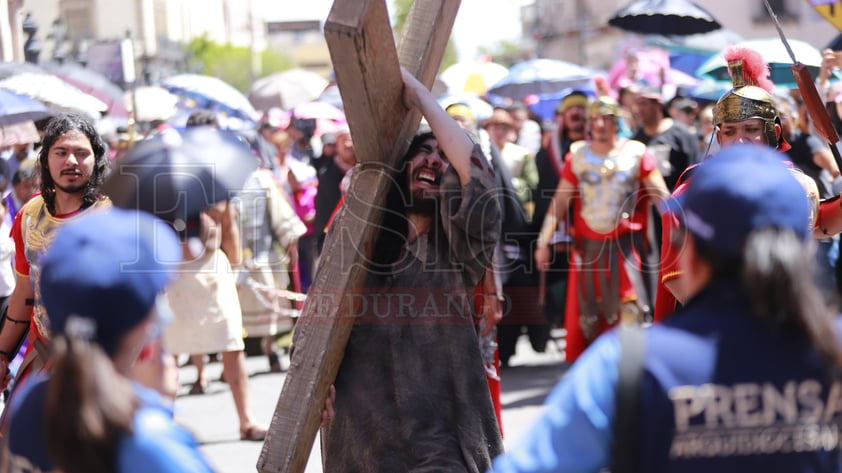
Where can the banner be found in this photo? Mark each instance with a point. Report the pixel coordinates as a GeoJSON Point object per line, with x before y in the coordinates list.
{"type": "Point", "coordinates": [830, 10]}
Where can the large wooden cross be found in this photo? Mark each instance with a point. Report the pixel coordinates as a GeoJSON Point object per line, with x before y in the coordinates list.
{"type": "Point", "coordinates": [366, 61]}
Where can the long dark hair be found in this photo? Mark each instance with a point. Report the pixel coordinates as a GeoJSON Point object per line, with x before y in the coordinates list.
{"type": "Point", "coordinates": [89, 408]}
{"type": "Point", "coordinates": [780, 284]}
{"type": "Point", "coordinates": [394, 227]}
{"type": "Point", "coordinates": [58, 126]}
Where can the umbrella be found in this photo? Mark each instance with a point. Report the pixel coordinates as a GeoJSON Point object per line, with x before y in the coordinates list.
{"type": "Point", "coordinates": [332, 96]}
{"type": "Point", "coordinates": [319, 111]}
{"type": "Point", "coordinates": [540, 76]}
{"type": "Point", "coordinates": [287, 89]}
{"type": "Point", "coordinates": [473, 76]}
{"type": "Point", "coordinates": [9, 69]}
{"type": "Point", "coordinates": [17, 108]}
{"type": "Point", "coordinates": [710, 90]}
{"type": "Point", "coordinates": [775, 54]}
{"type": "Point", "coordinates": [687, 53]}
{"type": "Point", "coordinates": [211, 93]}
{"type": "Point", "coordinates": [93, 83]}
{"type": "Point", "coordinates": [703, 43]}
{"type": "Point", "coordinates": [481, 109]}
{"type": "Point", "coordinates": [835, 44]}
{"type": "Point", "coordinates": [19, 133]}
{"type": "Point", "coordinates": [153, 103]}
{"type": "Point", "coordinates": [327, 116]}
{"type": "Point", "coordinates": [176, 175]}
{"type": "Point", "coordinates": [545, 105]}
{"type": "Point", "coordinates": [651, 64]}
{"type": "Point", "coordinates": [665, 17]}
{"type": "Point", "coordinates": [57, 94]}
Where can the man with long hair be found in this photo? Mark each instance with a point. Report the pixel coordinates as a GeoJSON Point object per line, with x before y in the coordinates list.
{"type": "Point", "coordinates": [411, 393]}
{"type": "Point", "coordinates": [73, 167]}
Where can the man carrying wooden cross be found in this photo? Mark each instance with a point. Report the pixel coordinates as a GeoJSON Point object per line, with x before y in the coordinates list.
{"type": "Point", "coordinates": [411, 392]}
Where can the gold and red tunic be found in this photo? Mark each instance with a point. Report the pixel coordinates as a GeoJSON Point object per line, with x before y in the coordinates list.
{"type": "Point", "coordinates": [609, 209]}
{"type": "Point", "coordinates": [33, 230]}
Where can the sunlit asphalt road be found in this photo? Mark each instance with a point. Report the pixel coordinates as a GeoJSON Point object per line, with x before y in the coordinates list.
{"type": "Point", "coordinates": [212, 418]}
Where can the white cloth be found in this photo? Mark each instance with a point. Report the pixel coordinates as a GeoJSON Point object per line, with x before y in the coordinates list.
{"type": "Point", "coordinates": [7, 253]}
{"type": "Point", "coordinates": [205, 306]}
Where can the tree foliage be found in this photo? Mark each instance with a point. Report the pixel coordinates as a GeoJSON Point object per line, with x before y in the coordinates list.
{"type": "Point", "coordinates": [399, 15]}
{"type": "Point", "coordinates": [507, 53]}
{"type": "Point", "coordinates": [233, 64]}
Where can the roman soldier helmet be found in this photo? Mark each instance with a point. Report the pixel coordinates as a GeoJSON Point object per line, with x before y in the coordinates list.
{"type": "Point", "coordinates": [604, 105]}
{"type": "Point", "coordinates": [751, 96]}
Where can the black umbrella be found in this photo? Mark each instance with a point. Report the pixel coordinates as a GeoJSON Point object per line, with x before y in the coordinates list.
{"type": "Point", "coordinates": [176, 175]}
{"type": "Point", "coordinates": [836, 43]}
{"type": "Point", "coordinates": [664, 17]}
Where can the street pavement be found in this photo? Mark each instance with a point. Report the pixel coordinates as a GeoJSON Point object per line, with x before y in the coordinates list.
{"type": "Point", "coordinates": [212, 418]}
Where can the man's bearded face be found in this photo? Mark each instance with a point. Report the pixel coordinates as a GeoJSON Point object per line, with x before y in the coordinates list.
{"type": "Point", "coordinates": [424, 175]}
{"type": "Point", "coordinates": [574, 118]}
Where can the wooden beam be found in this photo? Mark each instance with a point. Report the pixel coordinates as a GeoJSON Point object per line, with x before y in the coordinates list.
{"type": "Point", "coordinates": [366, 62]}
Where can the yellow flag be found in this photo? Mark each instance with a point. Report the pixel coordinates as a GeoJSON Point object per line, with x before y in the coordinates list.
{"type": "Point", "coordinates": [830, 10]}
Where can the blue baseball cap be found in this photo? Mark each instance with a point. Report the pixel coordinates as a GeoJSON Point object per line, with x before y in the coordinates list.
{"type": "Point", "coordinates": [103, 274]}
{"type": "Point", "coordinates": [741, 189]}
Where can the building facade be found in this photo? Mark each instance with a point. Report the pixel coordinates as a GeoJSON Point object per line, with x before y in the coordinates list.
{"type": "Point", "coordinates": [578, 31]}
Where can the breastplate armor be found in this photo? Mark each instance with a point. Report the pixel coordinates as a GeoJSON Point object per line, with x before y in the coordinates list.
{"type": "Point", "coordinates": [608, 184]}
{"type": "Point", "coordinates": [812, 191]}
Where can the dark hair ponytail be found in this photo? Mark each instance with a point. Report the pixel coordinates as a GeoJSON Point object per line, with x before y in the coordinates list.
{"type": "Point", "coordinates": [89, 408]}
{"type": "Point", "coordinates": [777, 275]}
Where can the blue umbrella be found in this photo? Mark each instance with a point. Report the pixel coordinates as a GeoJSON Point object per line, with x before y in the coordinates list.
{"type": "Point", "coordinates": [540, 76]}
{"type": "Point", "coordinates": [710, 90]}
{"type": "Point", "coordinates": [211, 93]}
{"type": "Point", "coordinates": [546, 104]}
{"type": "Point", "coordinates": [16, 108]}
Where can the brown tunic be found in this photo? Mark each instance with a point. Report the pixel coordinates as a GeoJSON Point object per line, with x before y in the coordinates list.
{"type": "Point", "coordinates": [411, 393]}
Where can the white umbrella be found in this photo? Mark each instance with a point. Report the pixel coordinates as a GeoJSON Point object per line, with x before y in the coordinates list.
{"type": "Point", "coordinates": [473, 76]}
{"type": "Point", "coordinates": [481, 109]}
{"type": "Point", "coordinates": [540, 76]}
{"type": "Point", "coordinates": [57, 94]}
{"type": "Point", "coordinates": [153, 103]}
{"type": "Point", "coordinates": [287, 89]}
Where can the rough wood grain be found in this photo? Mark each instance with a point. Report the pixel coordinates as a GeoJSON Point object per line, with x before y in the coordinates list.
{"type": "Point", "coordinates": [366, 62]}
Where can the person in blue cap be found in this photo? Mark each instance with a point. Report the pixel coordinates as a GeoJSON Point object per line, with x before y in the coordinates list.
{"type": "Point", "coordinates": [743, 378]}
{"type": "Point", "coordinates": [102, 282]}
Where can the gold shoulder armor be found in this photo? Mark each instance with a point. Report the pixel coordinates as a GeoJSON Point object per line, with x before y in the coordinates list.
{"type": "Point", "coordinates": [634, 147]}
{"type": "Point", "coordinates": [577, 146]}
{"type": "Point", "coordinates": [33, 206]}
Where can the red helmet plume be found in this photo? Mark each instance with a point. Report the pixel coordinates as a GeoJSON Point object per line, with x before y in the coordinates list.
{"type": "Point", "coordinates": [755, 70]}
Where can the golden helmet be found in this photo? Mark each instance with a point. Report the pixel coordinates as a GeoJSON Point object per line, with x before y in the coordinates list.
{"type": "Point", "coordinates": [747, 99]}
{"type": "Point", "coordinates": [604, 105]}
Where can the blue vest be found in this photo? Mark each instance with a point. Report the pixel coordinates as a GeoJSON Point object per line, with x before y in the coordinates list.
{"type": "Point", "coordinates": [724, 392]}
